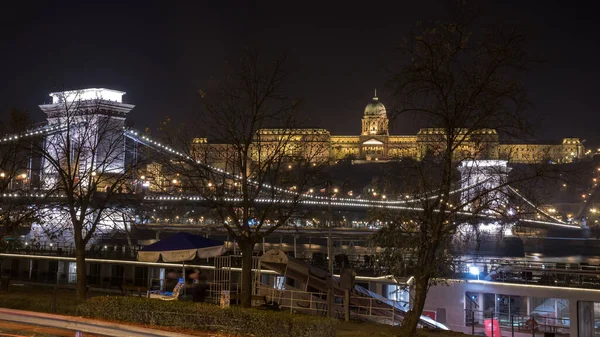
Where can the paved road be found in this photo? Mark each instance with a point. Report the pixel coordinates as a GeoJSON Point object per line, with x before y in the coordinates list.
{"type": "Point", "coordinates": [14, 329]}
{"type": "Point", "coordinates": [71, 324]}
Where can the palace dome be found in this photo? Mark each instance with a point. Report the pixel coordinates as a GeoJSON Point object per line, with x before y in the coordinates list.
{"type": "Point", "coordinates": [375, 109]}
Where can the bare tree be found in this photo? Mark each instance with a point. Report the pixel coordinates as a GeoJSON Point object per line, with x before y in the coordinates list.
{"type": "Point", "coordinates": [463, 85]}
{"type": "Point", "coordinates": [15, 173]}
{"type": "Point", "coordinates": [84, 169]}
{"type": "Point", "coordinates": [261, 166]}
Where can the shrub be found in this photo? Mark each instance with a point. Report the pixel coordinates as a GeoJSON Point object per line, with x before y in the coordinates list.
{"type": "Point", "coordinates": [260, 323]}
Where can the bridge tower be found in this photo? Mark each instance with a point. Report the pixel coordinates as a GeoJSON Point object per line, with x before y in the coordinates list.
{"type": "Point", "coordinates": [482, 184]}
{"type": "Point", "coordinates": [93, 117]}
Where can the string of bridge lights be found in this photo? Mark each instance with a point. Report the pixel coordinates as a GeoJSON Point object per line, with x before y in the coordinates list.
{"type": "Point", "coordinates": [36, 132]}
{"type": "Point", "coordinates": [533, 205]}
{"type": "Point", "coordinates": [350, 204]}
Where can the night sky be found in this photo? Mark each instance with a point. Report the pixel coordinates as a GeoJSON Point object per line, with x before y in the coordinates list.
{"type": "Point", "coordinates": [161, 54]}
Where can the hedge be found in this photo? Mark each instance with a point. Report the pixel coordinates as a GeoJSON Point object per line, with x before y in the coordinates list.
{"type": "Point", "coordinates": [41, 300]}
{"type": "Point", "coordinates": [206, 317]}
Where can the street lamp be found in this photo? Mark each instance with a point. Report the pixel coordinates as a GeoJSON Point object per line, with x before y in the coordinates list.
{"type": "Point", "coordinates": [474, 270]}
{"type": "Point", "coordinates": [330, 294]}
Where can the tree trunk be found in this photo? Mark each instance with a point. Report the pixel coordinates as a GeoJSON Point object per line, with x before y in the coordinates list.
{"type": "Point", "coordinates": [409, 324]}
{"type": "Point", "coordinates": [247, 249]}
{"type": "Point", "coordinates": [81, 290]}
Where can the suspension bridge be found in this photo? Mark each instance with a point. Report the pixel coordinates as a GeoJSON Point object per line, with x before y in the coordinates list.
{"type": "Point", "coordinates": [487, 174]}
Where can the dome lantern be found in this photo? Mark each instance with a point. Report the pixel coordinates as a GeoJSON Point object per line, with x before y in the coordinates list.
{"type": "Point", "coordinates": [375, 108]}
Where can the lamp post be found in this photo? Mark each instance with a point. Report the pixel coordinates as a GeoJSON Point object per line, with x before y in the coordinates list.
{"type": "Point", "coordinates": [474, 270]}
{"type": "Point", "coordinates": [330, 294]}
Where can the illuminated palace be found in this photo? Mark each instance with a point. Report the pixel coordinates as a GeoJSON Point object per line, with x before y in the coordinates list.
{"type": "Point", "coordinates": [376, 144]}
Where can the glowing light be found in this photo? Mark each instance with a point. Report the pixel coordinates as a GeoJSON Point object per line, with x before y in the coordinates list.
{"type": "Point", "coordinates": [210, 184]}
{"type": "Point", "coordinates": [335, 190]}
{"type": "Point", "coordinates": [94, 174]}
{"type": "Point", "coordinates": [143, 177]}
{"type": "Point", "coordinates": [473, 270]}
{"type": "Point", "coordinates": [174, 181]}
{"type": "Point", "coordinates": [87, 94]}
{"type": "Point", "coordinates": [2, 175]}
{"type": "Point", "coordinates": [24, 175]}
{"type": "Point", "coordinates": [483, 163]}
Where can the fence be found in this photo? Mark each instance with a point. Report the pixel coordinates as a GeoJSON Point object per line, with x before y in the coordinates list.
{"type": "Point", "coordinates": [516, 325]}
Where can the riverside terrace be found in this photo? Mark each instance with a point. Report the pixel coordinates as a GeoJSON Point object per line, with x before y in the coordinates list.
{"type": "Point", "coordinates": [531, 280]}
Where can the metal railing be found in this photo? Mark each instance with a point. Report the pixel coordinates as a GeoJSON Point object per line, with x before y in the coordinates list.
{"type": "Point", "coordinates": [491, 322]}
{"type": "Point", "coordinates": [315, 303]}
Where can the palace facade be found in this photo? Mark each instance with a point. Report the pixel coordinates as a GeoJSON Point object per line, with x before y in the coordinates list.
{"type": "Point", "coordinates": [376, 144]}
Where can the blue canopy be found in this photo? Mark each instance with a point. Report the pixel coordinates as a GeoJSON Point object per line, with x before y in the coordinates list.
{"type": "Point", "coordinates": [181, 247]}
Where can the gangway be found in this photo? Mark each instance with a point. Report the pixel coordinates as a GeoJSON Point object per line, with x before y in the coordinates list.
{"type": "Point", "coordinates": [315, 281]}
